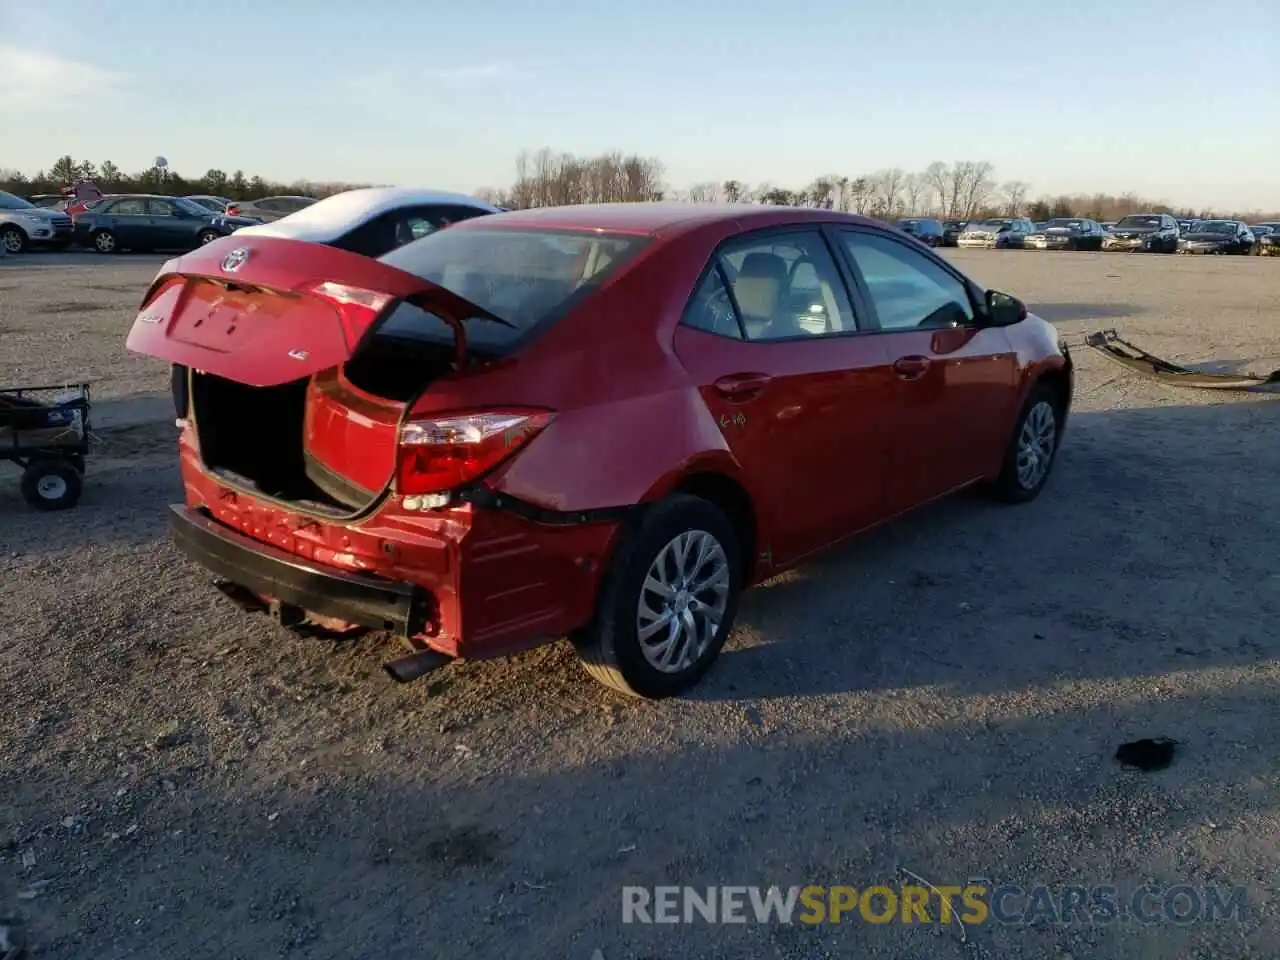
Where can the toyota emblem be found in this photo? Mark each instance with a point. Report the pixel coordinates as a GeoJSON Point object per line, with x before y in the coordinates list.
{"type": "Point", "coordinates": [234, 260]}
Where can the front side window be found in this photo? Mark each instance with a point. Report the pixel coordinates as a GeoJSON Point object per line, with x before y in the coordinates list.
{"type": "Point", "coordinates": [908, 290]}
{"type": "Point", "coordinates": [160, 208]}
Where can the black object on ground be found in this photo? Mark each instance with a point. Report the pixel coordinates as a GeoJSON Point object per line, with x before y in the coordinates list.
{"type": "Point", "coordinates": [1147, 754]}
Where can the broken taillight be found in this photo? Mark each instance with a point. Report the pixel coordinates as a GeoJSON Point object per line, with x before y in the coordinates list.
{"type": "Point", "coordinates": [358, 307]}
{"type": "Point", "coordinates": [443, 454]}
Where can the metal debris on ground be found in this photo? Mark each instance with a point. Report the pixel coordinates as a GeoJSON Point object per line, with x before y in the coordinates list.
{"type": "Point", "coordinates": [1136, 360]}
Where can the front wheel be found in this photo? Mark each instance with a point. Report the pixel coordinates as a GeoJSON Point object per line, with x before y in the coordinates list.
{"type": "Point", "coordinates": [104, 241]}
{"type": "Point", "coordinates": [13, 240]}
{"type": "Point", "coordinates": [668, 601]}
{"type": "Point", "coordinates": [1032, 448]}
{"type": "Point", "coordinates": [208, 236]}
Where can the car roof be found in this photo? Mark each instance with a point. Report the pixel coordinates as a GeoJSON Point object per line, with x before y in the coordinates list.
{"type": "Point", "coordinates": [662, 217]}
{"type": "Point", "coordinates": [327, 219]}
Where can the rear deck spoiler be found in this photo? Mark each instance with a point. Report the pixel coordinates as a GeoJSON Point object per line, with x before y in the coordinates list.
{"type": "Point", "coordinates": [1136, 360]}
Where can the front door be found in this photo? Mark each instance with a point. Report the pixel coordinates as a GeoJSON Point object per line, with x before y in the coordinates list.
{"type": "Point", "coordinates": [956, 381]}
{"type": "Point", "coordinates": [169, 229]}
{"type": "Point", "coordinates": [771, 338]}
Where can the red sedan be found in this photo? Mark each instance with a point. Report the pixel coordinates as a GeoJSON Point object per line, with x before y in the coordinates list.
{"type": "Point", "coordinates": [598, 421]}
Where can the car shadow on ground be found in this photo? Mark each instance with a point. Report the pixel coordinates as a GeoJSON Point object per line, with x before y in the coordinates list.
{"type": "Point", "coordinates": [1062, 312]}
{"type": "Point", "coordinates": [1095, 578]}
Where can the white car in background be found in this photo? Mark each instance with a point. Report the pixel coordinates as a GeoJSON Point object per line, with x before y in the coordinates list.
{"type": "Point", "coordinates": [374, 220]}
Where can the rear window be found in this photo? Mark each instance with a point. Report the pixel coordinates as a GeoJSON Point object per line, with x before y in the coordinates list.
{"type": "Point", "coordinates": [521, 276]}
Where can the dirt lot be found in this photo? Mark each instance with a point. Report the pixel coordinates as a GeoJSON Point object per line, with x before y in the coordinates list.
{"type": "Point", "coordinates": [945, 695]}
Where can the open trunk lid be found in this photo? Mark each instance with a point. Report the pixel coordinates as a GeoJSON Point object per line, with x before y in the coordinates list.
{"type": "Point", "coordinates": [264, 311]}
{"type": "Point", "coordinates": [286, 315]}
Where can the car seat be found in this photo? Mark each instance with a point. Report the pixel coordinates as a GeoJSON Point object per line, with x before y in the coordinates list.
{"type": "Point", "coordinates": [760, 289]}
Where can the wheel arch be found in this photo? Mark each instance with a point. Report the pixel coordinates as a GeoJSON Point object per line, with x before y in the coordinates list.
{"type": "Point", "coordinates": [731, 497]}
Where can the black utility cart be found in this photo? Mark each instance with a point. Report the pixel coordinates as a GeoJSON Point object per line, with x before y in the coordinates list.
{"type": "Point", "coordinates": [45, 431]}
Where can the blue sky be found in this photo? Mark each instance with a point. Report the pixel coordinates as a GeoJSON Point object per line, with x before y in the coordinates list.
{"type": "Point", "coordinates": [1175, 99]}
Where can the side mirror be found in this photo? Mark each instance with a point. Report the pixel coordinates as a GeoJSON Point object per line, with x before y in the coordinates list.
{"type": "Point", "coordinates": [1004, 310]}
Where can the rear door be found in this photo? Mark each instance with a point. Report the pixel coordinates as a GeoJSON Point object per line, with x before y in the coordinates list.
{"type": "Point", "coordinates": [128, 219]}
{"type": "Point", "coordinates": [955, 380]}
{"type": "Point", "coordinates": [772, 340]}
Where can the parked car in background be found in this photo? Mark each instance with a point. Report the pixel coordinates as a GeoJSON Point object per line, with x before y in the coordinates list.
{"type": "Point", "coordinates": [150, 222]}
{"type": "Point", "coordinates": [268, 209]}
{"type": "Point", "coordinates": [1149, 232]}
{"type": "Point", "coordinates": [24, 225]}
{"type": "Point", "coordinates": [1217, 236]}
{"type": "Point", "coordinates": [1268, 244]}
{"type": "Point", "coordinates": [995, 233]}
{"type": "Point", "coordinates": [951, 231]}
{"type": "Point", "coordinates": [925, 229]}
{"type": "Point", "coordinates": [1067, 233]}
{"type": "Point", "coordinates": [600, 421]}
{"type": "Point", "coordinates": [216, 204]}
{"type": "Point", "coordinates": [375, 220]}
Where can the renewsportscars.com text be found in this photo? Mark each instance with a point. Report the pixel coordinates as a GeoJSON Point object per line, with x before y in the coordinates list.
{"type": "Point", "coordinates": [971, 904]}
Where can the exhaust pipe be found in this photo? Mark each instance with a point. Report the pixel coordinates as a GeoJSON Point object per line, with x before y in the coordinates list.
{"type": "Point", "coordinates": [416, 665]}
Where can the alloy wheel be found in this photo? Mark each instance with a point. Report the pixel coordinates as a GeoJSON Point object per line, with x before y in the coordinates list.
{"type": "Point", "coordinates": [1036, 442]}
{"type": "Point", "coordinates": [683, 601]}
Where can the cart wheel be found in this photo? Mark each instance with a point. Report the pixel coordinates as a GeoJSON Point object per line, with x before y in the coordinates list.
{"type": "Point", "coordinates": [51, 484]}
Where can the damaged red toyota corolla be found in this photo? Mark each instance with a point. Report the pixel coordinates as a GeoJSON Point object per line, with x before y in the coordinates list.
{"type": "Point", "coordinates": [601, 421]}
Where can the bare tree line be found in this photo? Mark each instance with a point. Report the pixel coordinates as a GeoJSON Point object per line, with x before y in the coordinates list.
{"type": "Point", "coordinates": [960, 190]}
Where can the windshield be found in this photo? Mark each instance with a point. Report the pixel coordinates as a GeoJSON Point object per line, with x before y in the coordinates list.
{"type": "Point", "coordinates": [1062, 224]}
{"type": "Point", "coordinates": [991, 223]}
{"type": "Point", "coordinates": [520, 276]}
{"type": "Point", "coordinates": [9, 201]}
{"type": "Point", "coordinates": [1214, 226]}
{"type": "Point", "coordinates": [1145, 223]}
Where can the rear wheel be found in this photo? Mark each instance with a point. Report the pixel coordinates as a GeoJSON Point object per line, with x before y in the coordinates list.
{"type": "Point", "coordinates": [13, 239]}
{"type": "Point", "coordinates": [668, 601]}
{"type": "Point", "coordinates": [1032, 448]}
{"type": "Point", "coordinates": [51, 484]}
{"type": "Point", "coordinates": [104, 241]}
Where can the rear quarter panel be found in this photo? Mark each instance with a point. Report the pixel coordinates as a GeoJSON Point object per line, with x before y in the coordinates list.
{"type": "Point", "coordinates": [629, 421]}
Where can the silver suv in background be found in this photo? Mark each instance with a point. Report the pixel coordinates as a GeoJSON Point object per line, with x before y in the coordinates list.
{"type": "Point", "coordinates": [23, 225]}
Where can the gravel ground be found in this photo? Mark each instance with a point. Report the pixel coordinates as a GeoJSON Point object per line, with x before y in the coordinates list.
{"type": "Point", "coordinates": [178, 779]}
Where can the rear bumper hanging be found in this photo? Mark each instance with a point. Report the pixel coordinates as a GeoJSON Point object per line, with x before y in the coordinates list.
{"type": "Point", "coordinates": [1136, 360]}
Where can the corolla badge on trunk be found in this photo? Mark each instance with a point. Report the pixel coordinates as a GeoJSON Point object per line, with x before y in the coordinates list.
{"type": "Point", "coordinates": [234, 260]}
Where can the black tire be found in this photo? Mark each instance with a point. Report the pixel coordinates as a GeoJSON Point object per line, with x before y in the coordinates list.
{"type": "Point", "coordinates": [610, 647]}
{"type": "Point", "coordinates": [13, 239]}
{"type": "Point", "coordinates": [208, 236]}
{"type": "Point", "coordinates": [52, 484]}
{"type": "Point", "coordinates": [104, 241]}
{"type": "Point", "coordinates": [1009, 487]}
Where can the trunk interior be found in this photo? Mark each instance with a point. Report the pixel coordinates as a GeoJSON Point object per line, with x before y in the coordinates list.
{"type": "Point", "coordinates": [259, 436]}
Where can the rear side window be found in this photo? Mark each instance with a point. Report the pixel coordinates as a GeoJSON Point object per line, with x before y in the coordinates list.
{"type": "Point", "coordinates": [521, 276]}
